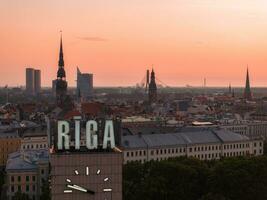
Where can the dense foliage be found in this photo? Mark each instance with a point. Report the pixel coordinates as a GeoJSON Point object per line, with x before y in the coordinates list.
{"type": "Point", "coordinates": [20, 196]}
{"type": "Point", "coordinates": [240, 178]}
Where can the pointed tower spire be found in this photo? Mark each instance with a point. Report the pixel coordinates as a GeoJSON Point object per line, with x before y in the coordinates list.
{"type": "Point", "coordinates": [152, 88]}
{"type": "Point", "coordinates": [247, 92]}
{"type": "Point", "coordinates": [61, 58]}
{"type": "Point", "coordinates": [61, 72]}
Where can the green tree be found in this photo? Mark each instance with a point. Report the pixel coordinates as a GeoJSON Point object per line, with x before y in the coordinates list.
{"type": "Point", "coordinates": [46, 193]}
{"type": "Point", "coordinates": [20, 196]}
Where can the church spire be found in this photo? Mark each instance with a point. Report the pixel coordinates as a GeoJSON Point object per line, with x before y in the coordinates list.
{"type": "Point", "coordinates": [61, 72]}
{"type": "Point", "coordinates": [247, 92]}
{"type": "Point", "coordinates": [152, 90]}
{"type": "Point", "coordinates": [61, 59]}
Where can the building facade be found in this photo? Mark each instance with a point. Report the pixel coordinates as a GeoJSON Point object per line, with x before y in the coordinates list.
{"type": "Point", "coordinates": [86, 175]}
{"type": "Point", "coordinates": [9, 143]}
{"type": "Point", "coordinates": [26, 172]}
{"type": "Point", "coordinates": [34, 139]}
{"type": "Point", "coordinates": [204, 145]}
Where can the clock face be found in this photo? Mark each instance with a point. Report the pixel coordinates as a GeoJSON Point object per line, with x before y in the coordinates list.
{"type": "Point", "coordinates": [71, 186]}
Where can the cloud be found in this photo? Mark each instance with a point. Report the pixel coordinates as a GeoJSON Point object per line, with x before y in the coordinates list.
{"type": "Point", "coordinates": [93, 39]}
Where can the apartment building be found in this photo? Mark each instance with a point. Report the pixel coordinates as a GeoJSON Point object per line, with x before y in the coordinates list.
{"type": "Point", "coordinates": [204, 145]}
{"type": "Point", "coordinates": [26, 172]}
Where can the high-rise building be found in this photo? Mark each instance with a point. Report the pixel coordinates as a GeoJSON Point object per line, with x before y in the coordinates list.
{"type": "Point", "coordinates": [33, 81]}
{"type": "Point", "coordinates": [61, 84]}
{"type": "Point", "coordinates": [37, 81]}
{"type": "Point", "coordinates": [30, 81]}
{"type": "Point", "coordinates": [152, 92]}
{"type": "Point", "coordinates": [84, 84]}
{"type": "Point", "coordinates": [247, 92]}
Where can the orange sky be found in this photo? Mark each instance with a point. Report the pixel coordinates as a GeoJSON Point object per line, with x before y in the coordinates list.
{"type": "Point", "coordinates": [117, 40]}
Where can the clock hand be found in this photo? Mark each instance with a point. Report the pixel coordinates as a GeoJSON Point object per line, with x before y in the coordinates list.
{"type": "Point", "coordinates": [79, 188]}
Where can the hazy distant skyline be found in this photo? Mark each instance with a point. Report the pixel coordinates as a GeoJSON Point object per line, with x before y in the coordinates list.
{"type": "Point", "coordinates": [116, 40]}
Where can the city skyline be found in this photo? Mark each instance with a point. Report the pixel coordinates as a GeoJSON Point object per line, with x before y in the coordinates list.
{"type": "Point", "coordinates": [186, 41]}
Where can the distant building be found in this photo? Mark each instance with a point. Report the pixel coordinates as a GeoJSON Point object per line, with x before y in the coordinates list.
{"type": "Point", "coordinates": [9, 143]}
{"type": "Point", "coordinates": [30, 81]}
{"type": "Point", "coordinates": [34, 138]}
{"type": "Point", "coordinates": [26, 172]}
{"type": "Point", "coordinates": [247, 91]}
{"type": "Point", "coordinates": [37, 81]}
{"type": "Point", "coordinates": [152, 90]}
{"type": "Point", "coordinates": [204, 145]}
{"type": "Point", "coordinates": [33, 81]}
{"type": "Point", "coordinates": [84, 84]}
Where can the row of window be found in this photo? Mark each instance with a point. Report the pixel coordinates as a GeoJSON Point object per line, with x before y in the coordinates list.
{"type": "Point", "coordinates": [165, 151]}
{"type": "Point", "coordinates": [27, 188]}
{"type": "Point", "coordinates": [205, 148]}
{"type": "Point", "coordinates": [37, 146]}
{"type": "Point", "coordinates": [206, 156]}
{"type": "Point", "coordinates": [155, 152]}
{"type": "Point", "coordinates": [27, 178]}
{"type": "Point", "coordinates": [236, 146]}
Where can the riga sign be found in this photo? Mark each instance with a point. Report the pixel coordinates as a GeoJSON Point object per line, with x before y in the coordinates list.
{"type": "Point", "coordinates": [92, 138]}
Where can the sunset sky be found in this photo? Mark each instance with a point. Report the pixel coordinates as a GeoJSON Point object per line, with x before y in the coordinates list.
{"type": "Point", "coordinates": [117, 40]}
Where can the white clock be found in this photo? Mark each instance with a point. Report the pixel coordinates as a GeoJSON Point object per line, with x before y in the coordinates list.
{"type": "Point", "coordinates": [71, 186]}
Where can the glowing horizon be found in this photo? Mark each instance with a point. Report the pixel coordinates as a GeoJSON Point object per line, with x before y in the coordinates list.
{"type": "Point", "coordinates": [185, 40]}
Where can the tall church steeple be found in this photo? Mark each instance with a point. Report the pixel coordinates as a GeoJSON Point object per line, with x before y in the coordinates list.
{"type": "Point", "coordinates": [247, 92]}
{"type": "Point", "coordinates": [61, 83]}
{"type": "Point", "coordinates": [61, 58]}
{"type": "Point", "coordinates": [61, 71]}
{"type": "Point", "coordinates": [152, 92]}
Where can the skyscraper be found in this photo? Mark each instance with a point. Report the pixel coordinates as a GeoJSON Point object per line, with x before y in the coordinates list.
{"type": "Point", "coordinates": [33, 81]}
{"type": "Point", "coordinates": [37, 81]}
{"type": "Point", "coordinates": [30, 81]}
{"type": "Point", "coordinates": [84, 84]}
{"type": "Point", "coordinates": [61, 84]}
{"type": "Point", "coordinates": [247, 91]}
{"type": "Point", "coordinates": [152, 92]}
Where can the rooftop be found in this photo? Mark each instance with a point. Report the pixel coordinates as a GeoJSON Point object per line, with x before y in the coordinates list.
{"type": "Point", "coordinates": [27, 160]}
{"type": "Point", "coordinates": [181, 139]}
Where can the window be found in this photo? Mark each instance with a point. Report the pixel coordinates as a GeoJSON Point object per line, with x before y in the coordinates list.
{"type": "Point", "coordinates": [42, 171]}
{"type": "Point", "coordinates": [33, 177]}
{"type": "Point", "coordinates": [127, 154]}
{"type": "Point", "coordinates": [27, 188]}
{"type": "Point", "coordinates": [19, 188]}
{"type": "Point", "coordinates": [12, 188]}
{"type": "Point", "coordinates": [19, 179]}
{"type": "Point", "coordinates": [27, 178]}
{"type": "Point", "coordinates": [12, 179]}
